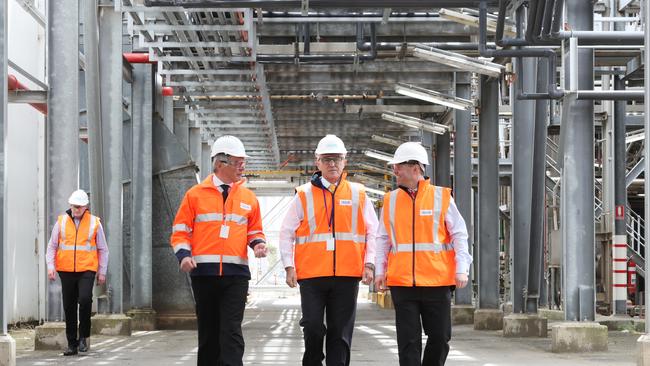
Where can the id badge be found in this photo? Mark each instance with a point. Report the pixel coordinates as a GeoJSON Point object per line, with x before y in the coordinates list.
{"type": "Point", "coordinates": [330, 244]}
{"type": "Point", "coordinates": [225, 229]}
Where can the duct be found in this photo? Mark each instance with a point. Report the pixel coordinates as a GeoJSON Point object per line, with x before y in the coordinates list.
{"type": "Point", "coordinates": [329, 58]}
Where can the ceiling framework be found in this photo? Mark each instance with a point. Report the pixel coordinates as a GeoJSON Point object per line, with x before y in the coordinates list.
{"type": "Point", "coordinates": [281, 78]}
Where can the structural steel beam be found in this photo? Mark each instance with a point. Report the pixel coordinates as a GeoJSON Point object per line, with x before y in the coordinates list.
{"type": "Point", "coordinates": [63, 121]}
{"type": "Point", "coordinates": [577, 197]}
{"type": "Point", "coordinates": [488, 191]}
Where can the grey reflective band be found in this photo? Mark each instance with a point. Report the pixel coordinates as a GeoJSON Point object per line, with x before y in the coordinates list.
{"type": "Point", "coordinates": [63, 225]}
{"type": "Point", "coordinates": [237, 219]}
{"type": "Point", "coordinates": [181, 227]}
{"type": "Point", "coordinates": [233, 259]}
{"type": "Point", "coordinates": [359, 239]}
{"type": "Point", "coordinates": [180, 246]}
{"type": "Point", "coordinates": [254, 232]}
{"type": "Point", "coordinates": [391, 218]}
{"type": "Point", "coordinates": [437, 209]}
{"type": "Point", "coordinates": [212, 216]}
{"type": "Point", "coordinates": [91, 230]}
{"type": "Point", "coordinates": [311, 215]}
{"type": "Point", "coordinates": [355, 206]}
{"type": "Point", "coordinates": [84, 248]}
{"type": "Point", "coordinates": [424, 247]}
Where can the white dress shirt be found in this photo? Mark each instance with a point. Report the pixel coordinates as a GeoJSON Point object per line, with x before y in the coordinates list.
{"type": "Point", "coordinates": [456, 228]}
{"type": "Point", "coordinates": [295, 216]}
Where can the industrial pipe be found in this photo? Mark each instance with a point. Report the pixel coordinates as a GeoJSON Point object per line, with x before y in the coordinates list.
{"type": "Point", "coordinates": [14, 84]}
{"type": "Point", "coordinates": [167, 91]}
{"type": "Point", "coordinates": [138, 58]}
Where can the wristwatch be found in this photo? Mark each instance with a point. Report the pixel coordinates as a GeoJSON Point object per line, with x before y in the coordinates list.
{"type": "Point", "coordinates": [370, 266]}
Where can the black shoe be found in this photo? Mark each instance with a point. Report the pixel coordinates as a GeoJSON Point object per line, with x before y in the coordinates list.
{"type": "Point", "coordinates": [83, 344]}
{"type": "Point", "coordinates": [70, 351]}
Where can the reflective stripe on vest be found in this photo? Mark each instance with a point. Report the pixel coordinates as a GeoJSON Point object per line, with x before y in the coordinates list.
{"type": "Point", "coordinates": [214, 216]}
{"type": "Point", "coordinates": [419, 247]}
{"type": "Point", "coordinates": [220, 259]}
{"type": "Point", "coordinates": [87, 247]}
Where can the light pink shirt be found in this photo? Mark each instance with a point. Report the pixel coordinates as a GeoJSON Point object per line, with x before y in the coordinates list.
{"type": "Point", "coordinates": [100, 240]}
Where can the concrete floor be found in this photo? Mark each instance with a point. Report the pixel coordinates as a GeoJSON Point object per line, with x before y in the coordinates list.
{"type": "Point", "coordinates": [273, 337]}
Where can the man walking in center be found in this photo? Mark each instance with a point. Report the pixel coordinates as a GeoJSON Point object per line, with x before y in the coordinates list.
{"type": "Point", "coordinates": [424, 239]}
{"type": "Point", "coordinates": [327, 244]}
{"type": "Point", "coordinates": [216, 222]}
{"type": "Point", "coordinates": [77, 250]}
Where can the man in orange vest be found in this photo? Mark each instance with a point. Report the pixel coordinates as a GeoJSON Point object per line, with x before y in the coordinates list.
{"type": "Point", "coordinates": [424, 238]}
{"type": "Point", "coordinates": [77, 250]}
{"type": "Point", "coordinates": [327, 244]}
{"type": "Point", "coordinates": [217, 221]}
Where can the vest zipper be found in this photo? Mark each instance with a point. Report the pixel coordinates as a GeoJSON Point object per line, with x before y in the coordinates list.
{"type": "Point", "coordinates": [333, 228]}
{"type": "Point", "coordinates": [413, 237]}
{"type": "Point", "coordinates": [76, 233]}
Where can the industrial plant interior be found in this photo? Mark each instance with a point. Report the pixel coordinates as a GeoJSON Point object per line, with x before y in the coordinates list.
{"type": "Point", "coordinates": [531, 111]}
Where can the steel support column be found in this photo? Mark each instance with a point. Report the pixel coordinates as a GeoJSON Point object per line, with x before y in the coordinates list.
{"type": "Point", "coordinates": [3, 166]}
{"type": "Point", "coordinates": [63, 121]}
{"type": "Point", "coordinates": [537, 215]}
{"type": "Point", "coordinates": [577, 197]}
{"type": "Point", "coordinates": [646, 153]}
{"type": "Point", "coordinates": [523, 127]}
{"type": "Point", "coordinates": [110, 37]}
{"type": "Point", "coordinates": [428, 140]}
{"type": "Point", "coordinates": [488, 191]}
{"type": "Point", "coordinates": [168, 111]}
{"type": "Point", "coordinates": [619, 249]}
{"type": "Point", "coordinates": [206, 162]}
{"type": "Point", "coordinates": [93, 107]}
{"type": "Point", "coordinates": [463, 173]}
{"type": "Point", "coordinates": [443, 160]}
{"type": "Point", "coordinates": [195, 145]}
{"type": "Point", "coordinates": [141, 188]}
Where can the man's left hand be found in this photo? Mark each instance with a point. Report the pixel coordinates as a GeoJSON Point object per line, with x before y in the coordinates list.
{"type": "Point", "coordinates": [461, 280]}
{"type": "Point", "coordinates": [101, 279]}
{"type": "Point", "coordinates": [260, 250]}
{"type": "Point", "coordinates": [368, 276]}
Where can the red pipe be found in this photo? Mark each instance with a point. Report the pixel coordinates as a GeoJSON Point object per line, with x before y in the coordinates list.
{"type": "Point", "coordinates": [14, 84]}
{"type": "Point", "coordinates": [137, 58]}
{"type": "Point", "coordinates": [167, 91]}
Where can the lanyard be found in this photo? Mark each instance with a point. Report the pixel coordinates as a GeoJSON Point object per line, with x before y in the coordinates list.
{"type": "Point", "coordinates": [330, 216]}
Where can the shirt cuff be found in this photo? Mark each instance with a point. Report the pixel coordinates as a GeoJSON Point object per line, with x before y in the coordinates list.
{"type": "Point", "coordinates": [182, 253]}
{"type": "Point", "coordinates": [462, 268]}
{"type": "Point", "coordinates": [255, 242]}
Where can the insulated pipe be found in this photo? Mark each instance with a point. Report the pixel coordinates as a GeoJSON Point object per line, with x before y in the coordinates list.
{"type": "Point", "coordinates": [553, 91]}
{"type": "Point", "coordinates": [14, 84]}
{"type": "Point", "coordinates": [138, 58]}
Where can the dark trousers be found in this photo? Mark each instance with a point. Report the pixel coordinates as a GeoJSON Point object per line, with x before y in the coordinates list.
{"type": "Point", "coordinates": [417, 308]}
{"type": "Point", "coordinates": [220, 303]}
{"type": "Point", "coordinates": [336, 299]}
{"type": "Point", "coordinates": [77, 288]}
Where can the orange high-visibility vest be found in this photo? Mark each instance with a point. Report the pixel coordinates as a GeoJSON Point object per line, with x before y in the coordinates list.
{"type": "Point", "coordinates": [421, 252]}
{"type": "Point", "coordinates": [77, 251]}
{"type": "Point", "coordinates": [203, 213]}
{"type": "Point", "coordinates": [326, 247]}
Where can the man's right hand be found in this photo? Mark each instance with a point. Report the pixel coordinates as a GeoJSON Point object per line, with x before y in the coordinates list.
{"type": "Point", "coordinates": [51, 274]}
{"type": "Point", "coordinates": [188, 264]}
{"type": "Point", "coordinates": [292, 279]}
{"type": "Point", "coordinates": [380, 283]}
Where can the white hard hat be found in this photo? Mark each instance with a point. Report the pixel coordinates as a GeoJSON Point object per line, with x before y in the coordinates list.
{"type": "Point", "coordinates": [331, 144]}
{"type": "Point", "coordinates": [410, 151]}
{"type": "Point", "coordinates": [229, 145]}
{"type": "Point", "coordinates": [78, 198]}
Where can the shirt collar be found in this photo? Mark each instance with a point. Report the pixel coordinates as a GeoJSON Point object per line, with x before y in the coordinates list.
{"type": "Point", "coordinates": [217, 182]}
{"type": "Point", "coordinates": [326, 183]}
